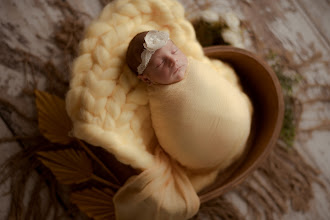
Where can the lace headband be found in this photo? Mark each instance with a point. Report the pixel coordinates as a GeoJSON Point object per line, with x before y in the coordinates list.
{"type": "Point", "coordinates": [154, 40]}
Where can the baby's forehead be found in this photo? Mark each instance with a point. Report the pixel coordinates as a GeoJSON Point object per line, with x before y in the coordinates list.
{"type": "Point", "coordinates": [170, 43]}
{"type": "Point", "coordinates": [168, 46]}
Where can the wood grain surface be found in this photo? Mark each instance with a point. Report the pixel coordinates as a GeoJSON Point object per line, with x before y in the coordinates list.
{"type": "Point", "coordinates": [297, 30]}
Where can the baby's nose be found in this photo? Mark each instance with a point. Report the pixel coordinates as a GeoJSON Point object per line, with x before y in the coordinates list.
{"type": "Point", "coordinates": [171, 61]}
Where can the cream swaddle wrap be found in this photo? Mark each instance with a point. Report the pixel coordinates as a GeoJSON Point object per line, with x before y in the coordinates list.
{"type": "Point", "coordinates": [202, 121]}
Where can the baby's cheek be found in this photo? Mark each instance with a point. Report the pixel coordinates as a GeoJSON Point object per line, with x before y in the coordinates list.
{"type": "Point", "coordinates": [168, 74]}
{"type": "Point", "coordinates": [164, 77]}
{"type": "Point", "coordinates": [159, 76]}
{"type": "Point", "coordinates": [183, 58]}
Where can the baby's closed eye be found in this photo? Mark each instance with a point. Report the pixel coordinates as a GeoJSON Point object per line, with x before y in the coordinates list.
{"type": "Point", "coordinates": [175, 50]}
{"type": "Point", "coordinates": [160, 63]}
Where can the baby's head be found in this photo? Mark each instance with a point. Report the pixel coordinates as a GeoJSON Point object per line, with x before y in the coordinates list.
{"type": "Point", "coordinates": [155, 58]}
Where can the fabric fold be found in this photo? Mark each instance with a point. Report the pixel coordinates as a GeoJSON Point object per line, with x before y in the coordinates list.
{"type": "Point", "coordinates": [164, 190]}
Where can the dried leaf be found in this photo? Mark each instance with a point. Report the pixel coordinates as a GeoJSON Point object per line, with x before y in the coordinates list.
{"type": "Point", "coordinates": [54, 122]}
{"type": "Point", "coordinates": [69, 166]}
{"type": "Point", "coordinates": [96, 203]}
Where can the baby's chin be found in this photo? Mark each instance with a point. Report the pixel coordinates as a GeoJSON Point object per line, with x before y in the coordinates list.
{"type": "Point", "coordinates": [181, 73]}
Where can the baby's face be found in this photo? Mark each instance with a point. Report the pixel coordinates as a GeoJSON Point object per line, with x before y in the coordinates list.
{"type": "Point", "coordinates": [166, 66]}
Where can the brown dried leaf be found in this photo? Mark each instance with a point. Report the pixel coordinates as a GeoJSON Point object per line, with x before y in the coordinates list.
{"type": "Point", "coordinates": [96, 203]}
{"type": "Point", "coordinates": [69, 166]}
{"type": "Point", "coordinates": [54, 122]}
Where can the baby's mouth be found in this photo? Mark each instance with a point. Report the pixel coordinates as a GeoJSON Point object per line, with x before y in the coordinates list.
{"type": "Point", "coordinates": [177, 69]}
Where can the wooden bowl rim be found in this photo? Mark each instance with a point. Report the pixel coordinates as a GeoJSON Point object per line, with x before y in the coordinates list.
{"type": "Point", "coordinates": [209, 51]}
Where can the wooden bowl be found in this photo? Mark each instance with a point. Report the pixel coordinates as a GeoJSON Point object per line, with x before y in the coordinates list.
{"type": "Point", "coordinates": [262, 86]}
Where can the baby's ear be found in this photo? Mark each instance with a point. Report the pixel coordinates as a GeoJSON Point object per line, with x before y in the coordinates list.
{"type": "Point", "coordinates": [144, 78]}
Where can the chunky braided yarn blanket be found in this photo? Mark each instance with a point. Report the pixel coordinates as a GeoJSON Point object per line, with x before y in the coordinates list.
{"type": "Point", "coordinates": [106, 102]}
{"type": "Point", "coordinates": [109, 105]}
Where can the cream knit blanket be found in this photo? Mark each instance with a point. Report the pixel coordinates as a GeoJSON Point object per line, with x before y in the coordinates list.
{"type": "Point", "coordinates": [109, 105]}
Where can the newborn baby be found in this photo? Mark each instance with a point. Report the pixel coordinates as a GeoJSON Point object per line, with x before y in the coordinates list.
{"type": "Point", "coordinates": [200, 119]}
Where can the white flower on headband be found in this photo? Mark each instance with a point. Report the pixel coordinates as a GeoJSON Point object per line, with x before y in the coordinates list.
{"type": "Point", "coordinates": [154, 40]}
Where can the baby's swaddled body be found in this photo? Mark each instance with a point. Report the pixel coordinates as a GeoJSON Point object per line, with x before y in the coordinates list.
{"type": "Point", "coordinates": [202, 121]}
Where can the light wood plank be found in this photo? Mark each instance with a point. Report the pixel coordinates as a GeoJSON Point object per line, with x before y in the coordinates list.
{"type": "Point", "coordinates": [298, 30]}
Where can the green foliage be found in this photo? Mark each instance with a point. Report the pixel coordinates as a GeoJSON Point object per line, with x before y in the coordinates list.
{"type": "Point", "coordinates": [209, 34]}
{"type": "Point", "coordinates": [288, 131]}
